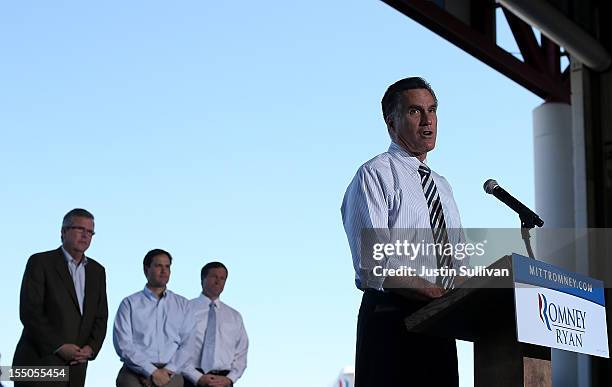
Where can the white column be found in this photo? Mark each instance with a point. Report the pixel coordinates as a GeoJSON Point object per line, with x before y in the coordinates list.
{"type": "Point", "coordinates": [559, 181]}
{"type": "Point", "coordinates": [553, 162]}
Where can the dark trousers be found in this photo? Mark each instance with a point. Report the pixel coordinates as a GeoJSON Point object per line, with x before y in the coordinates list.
{"type": "Point", "coordinates": [390, 356]}
{"type": "Point", "coordinates": [76, 374]}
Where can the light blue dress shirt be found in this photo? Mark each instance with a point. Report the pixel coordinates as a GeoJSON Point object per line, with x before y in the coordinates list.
{"type": "Point", "coordinates": [149, 330]}
{"type": "Point", "coordinates": [386, 194]}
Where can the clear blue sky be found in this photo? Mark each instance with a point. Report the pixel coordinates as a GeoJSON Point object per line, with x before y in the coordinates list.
{"type": "Point", "coordinates": [229, 131]}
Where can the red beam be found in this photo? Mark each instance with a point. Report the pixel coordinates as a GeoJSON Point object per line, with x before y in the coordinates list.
{"type": "Point", "coordinates": [526, 41]}
{"type": "Point", "coordinates": [455, 31]}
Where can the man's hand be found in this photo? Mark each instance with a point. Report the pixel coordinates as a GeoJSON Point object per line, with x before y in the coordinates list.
{"type": "Point", "coordinates": [161, 377]}
{"type": "Point", "coordinates": [82, 355]}
{"type": "Point", "coordinates": [460, 280]}
{"type": "Point", "coordinates": [205, 380]}
{"type": "Point", "coordinates": [220, 381]}
{"type": "Point", "coordinates": [414, 287]}
{"type": "Point", "coordinates": [431, 292]}
{"type": "Point", "coordinates": [145, 381]}
{"type": "Point", "coordinates": [68, 352]}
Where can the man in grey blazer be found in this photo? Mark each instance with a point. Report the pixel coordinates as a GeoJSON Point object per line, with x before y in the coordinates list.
{"type": "Point", "coordinates": [62, 305]}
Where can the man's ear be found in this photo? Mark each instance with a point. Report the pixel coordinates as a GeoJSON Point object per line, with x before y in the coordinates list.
{"type": "Point", "coordinates": [390, 126]}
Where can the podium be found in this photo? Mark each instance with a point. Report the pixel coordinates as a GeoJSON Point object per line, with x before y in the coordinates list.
{"type": "Point", "coordinates": [483, 311]}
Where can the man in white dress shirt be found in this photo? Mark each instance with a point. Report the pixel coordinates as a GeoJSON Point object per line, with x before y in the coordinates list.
{"type": "Point", "coordinates": [149, 329]}
{"type": "Point", "coordinates": [218, 345]}
{"type": "Point", "coordinates": [393, 194]}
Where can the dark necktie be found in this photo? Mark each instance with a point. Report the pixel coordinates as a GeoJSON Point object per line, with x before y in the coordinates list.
{"type": "Point", "coordinates": [438, 226]}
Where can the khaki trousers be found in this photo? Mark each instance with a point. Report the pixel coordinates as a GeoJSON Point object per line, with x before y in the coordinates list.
{"type": "Point", "coordinates": [129, 378]}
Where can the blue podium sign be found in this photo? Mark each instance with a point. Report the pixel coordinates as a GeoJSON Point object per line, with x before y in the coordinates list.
{"type": "Point", "coordinates": [559, 309]}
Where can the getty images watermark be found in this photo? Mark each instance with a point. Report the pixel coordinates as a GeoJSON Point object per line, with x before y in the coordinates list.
{"type": "Point", "coordinates": [404, 250]}
{"type": "Point", "coordinates": [413, 253]}
{"type": "Point", "coordinates": [476, 257]}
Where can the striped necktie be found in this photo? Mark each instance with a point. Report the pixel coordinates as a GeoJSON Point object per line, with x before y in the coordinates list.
{"type": "Point", "coordinates": [438, 226]}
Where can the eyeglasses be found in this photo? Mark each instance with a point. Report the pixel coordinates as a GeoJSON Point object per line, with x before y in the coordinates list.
{"type": "Point", "coordinates": [82, 230]}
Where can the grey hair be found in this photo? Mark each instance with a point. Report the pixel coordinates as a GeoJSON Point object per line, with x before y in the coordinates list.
{"type": "Point", "coordinates": [77, 212]}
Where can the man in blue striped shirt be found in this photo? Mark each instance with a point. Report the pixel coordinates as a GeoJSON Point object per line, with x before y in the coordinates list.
{"type": "Point", "coordinates": [149, 329]}
{"type": "Point", "coordinates": [396, 194]}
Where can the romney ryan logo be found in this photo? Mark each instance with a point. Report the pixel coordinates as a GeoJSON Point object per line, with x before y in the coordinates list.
{"type": "Point", "coordinates": [543, 306]}
{"type": "Point", "coordinates": [345, 382]}
{"type": "Point", "coordinates": [567, 323]}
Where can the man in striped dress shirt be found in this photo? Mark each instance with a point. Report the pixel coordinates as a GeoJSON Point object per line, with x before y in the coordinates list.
{"type": "Point", "coordinates": [395, 194]}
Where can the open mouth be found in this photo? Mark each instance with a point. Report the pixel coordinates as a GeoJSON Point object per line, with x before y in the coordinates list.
{"type": "Point", "coordinates": [427, 133]}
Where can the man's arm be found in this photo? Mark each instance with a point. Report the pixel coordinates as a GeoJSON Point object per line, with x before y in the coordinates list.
{"type": "Point", "coordinates": [98, 331]}
{"type": "Point", "coordinates": [216, 381]}
{"type": "Point", "coordinates": [190, 357]}
{"type": "Point", "coordinates": [188, 353]}
{"type": "Point", "coordinates": [123, 342]}
{"type": "Point", "coordinates": [365, 208]}
{"type": "Point", "coordinates": [464, 262]}
{"type": "Point", "coordinates": [240, 359]}
{"type": "Point", "coordinates": [32, 309]}
{"type": "Point", "coordinates": [180, 358]}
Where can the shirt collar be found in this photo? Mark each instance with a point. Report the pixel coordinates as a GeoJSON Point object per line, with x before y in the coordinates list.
{"type": "Point", "coordinates": [149, 293]}
{"type": "Point", "coordinates": [207, 300]}
{"type": "Point", "coordinates": [70, 259]}
{"type": "Point", "coordinates": [412, 161]}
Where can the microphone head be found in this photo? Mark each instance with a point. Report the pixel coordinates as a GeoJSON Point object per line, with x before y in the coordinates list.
{"type": "Point", "coordinates": [489, 186]}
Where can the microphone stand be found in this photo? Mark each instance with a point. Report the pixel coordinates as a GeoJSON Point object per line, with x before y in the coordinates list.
{"type": "Point", "coordinates": [527, 223]}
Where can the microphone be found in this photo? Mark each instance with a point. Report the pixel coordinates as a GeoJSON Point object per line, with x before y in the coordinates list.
{"type": "Point", "coordinates": [529, 219]}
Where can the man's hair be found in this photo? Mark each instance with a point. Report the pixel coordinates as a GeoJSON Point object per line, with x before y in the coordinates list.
{"type": "Point", "coordinates": [153, 253]}
{"type": "Point", "coordinates": [211, 265]}
{"type": "Point", "coordinates": [77, 212]}
{"type": "Point", "coordinates": [392, 102]}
